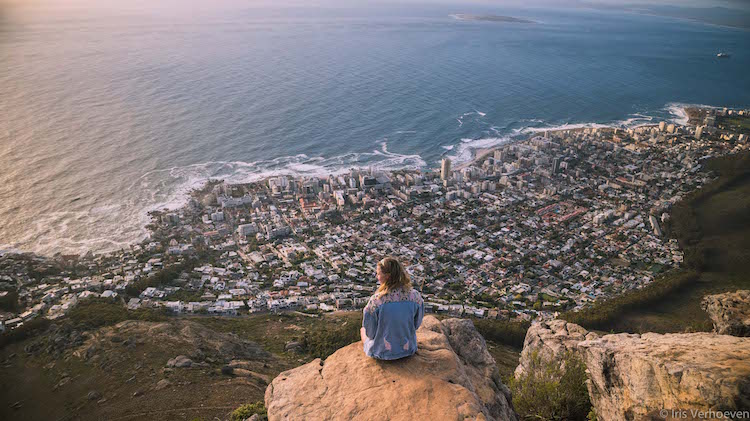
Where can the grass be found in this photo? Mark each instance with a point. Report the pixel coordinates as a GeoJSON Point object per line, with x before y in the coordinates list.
{"type": "Point", "coordinates": [742, 123]}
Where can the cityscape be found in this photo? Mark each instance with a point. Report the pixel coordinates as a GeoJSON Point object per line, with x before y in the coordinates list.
{"type": "Point", "coordinates": [524, 231]}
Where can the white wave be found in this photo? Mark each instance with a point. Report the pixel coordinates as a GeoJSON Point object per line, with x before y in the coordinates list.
{"type": "Point", "coordinates": [567, 126]}
{"type": "Point", "coordinates": [406, 132]}
{"type": "Point", "coordinates": [464, 152]}
{"type": "Point", "coordinates": [481, 114]}
{"type": "Point", "coordinates": [679, 113]}
{"type": "Point", "coordinates": [448, 147]}
{"type": "Point", "coordinates": [636, 120]}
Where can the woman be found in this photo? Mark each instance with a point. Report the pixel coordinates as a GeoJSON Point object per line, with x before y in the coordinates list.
{"type": "Point", "coordinates": [393, 314]}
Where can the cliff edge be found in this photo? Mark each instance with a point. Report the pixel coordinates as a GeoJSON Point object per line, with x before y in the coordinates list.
{"type": "Point", "coordinates": [729, 312]}
{"type": "Point", "coordinates": [452, 376]}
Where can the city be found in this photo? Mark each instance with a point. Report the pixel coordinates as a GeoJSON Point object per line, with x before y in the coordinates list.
{"type": "Point", "coordinates": [525, 231]}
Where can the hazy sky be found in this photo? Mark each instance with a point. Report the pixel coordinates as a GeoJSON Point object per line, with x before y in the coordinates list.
{"type": "Point", "coordinates": [744, 4]}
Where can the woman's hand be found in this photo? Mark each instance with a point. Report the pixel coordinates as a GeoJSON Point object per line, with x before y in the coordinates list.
{"type": "Point", "coordinates": [363, 334]}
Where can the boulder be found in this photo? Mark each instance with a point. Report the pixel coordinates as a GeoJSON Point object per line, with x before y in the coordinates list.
{"type": "Point", "coordinates": [162, 384]}
{"type": "Point", "coordinates": [179, 361]}
{"type": "Point", "coordinates": [293, 346]}
{"type": "Point", "coordinates": [729, 312]}
{"type": "Point", "coordinates": [635, 376]}
{"type": "Point", "coordinates": [551, 339]}
{"type": "Point", "coordinates": [452, 376]}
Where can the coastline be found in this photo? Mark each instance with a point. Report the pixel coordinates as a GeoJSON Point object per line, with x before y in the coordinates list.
{"type": "Point", "coordinates": [681, 114]}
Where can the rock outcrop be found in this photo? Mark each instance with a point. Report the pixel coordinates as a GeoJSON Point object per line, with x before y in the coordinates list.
{"type": "Point", "coordinates": [730, 312]}
{"type": "Point", "coordinates": [452, 376]}
{"type": "Point", "coordinates": [551, 339]}
{"type": "Point", "coordinates": [635, 376]}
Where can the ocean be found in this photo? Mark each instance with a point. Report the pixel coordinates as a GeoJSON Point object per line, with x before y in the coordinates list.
{"type": "Point", "coordinates": [109, 112]}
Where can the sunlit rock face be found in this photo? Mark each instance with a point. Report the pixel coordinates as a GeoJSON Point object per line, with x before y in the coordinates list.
{"type": "Point", "coordinates": [452, 376]}
{"type": "Point", "coordinates": [633, 376]}
{"type": "Point", "coordinates": [730, 312]}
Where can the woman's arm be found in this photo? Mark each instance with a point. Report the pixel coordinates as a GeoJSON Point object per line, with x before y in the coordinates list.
{"type": "Point", "coordinates": [369, 323]}
{"type": "Point", "coordinates": [420, 315]}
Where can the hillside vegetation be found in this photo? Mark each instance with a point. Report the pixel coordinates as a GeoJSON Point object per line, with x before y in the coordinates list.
{"type": "Point", "coordinates": [712, 226]}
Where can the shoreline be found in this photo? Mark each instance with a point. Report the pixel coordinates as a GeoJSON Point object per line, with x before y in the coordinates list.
{"type": "Point", "coordinates": [486, 152]}
{"type": "Point", "coordinates": [685, 115]}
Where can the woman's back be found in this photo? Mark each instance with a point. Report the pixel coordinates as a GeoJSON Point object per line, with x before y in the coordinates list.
{"type": "Point", "coordinates": [390, 322]}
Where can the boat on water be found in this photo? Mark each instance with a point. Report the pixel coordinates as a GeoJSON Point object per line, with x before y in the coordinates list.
{"type": "Point", "coordinates": [723, 55]}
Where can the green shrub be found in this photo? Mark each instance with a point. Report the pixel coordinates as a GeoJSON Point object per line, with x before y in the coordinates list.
{"type": "Point", "coordinates": [504, 332]}
{"type": "Point", "coordinates": [29, 329]}
{"type": "Point", "coordinates": [248, 410]}
{"type": "Point", "coordinates": [552, 389]}
{"type": "Point", "coordinates": [10, 302]}
{"type": "Point", "coordinates": [324, 340]}
{"type": "Point", "coordinates": [93, 313]}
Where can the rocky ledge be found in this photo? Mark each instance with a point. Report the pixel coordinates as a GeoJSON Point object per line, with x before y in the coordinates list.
{"type": "Point", "coordinates": [635, 376]}
{"type": "Point", "coordinates": [452, 376]}
{"type": "Point", "coordinates": [551, 340]}
{"type": "Point", "coordinates": [730, 312]}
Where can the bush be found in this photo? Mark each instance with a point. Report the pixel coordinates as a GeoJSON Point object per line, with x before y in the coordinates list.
{"type": "Point", "coordinates": [10, 302]}
{"type": "Point", "coordinates": [162, 277]}
{"type": "Point", "coordinates": [29, 329]}
{"type": "Point", "coordinates": [503, 331]}
{"type": "Point", "coordinates": [248, 410]}
{"type": "Point", "coordinates": [553, 389]}
{"type": "Point", "coordinates": [93, 313]}
{"type": "Point", "coordinates": [324, 340]}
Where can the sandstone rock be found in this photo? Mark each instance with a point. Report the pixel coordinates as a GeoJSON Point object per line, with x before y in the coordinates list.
{"type": "Point", "coordinates": [551, 339]}
{"type": "Point", "coordinates": [179, 362]}
{"type": "Point", "coordinates": [450, 377]}
{"type": "Point", "coordinates": [730, 312]}
{"type": "Point", "coordinates": [162, 384]}
{"type": "Point", "coordinates": [635, 376]}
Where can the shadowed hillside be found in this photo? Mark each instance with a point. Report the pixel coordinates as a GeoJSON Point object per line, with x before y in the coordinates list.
{"type": "Point", "coordinates": [712, 225]}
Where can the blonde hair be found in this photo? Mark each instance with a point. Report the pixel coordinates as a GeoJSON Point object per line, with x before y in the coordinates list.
{"type": "Point", "coordinates": [396, 275]}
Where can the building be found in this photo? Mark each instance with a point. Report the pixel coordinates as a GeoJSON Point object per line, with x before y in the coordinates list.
{"type": "Point", "coordinates": [445, 169]}
{"type": "Point", "coordinates": [555, 165]}
{"type": "Point", "coordinates": [247, 229]}
{"type": "Point", "coordinates": [655, 225]}
{"type": "Point", "coordinates": [698, 132]}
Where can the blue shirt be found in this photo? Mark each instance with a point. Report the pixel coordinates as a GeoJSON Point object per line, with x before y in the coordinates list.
{"type": "Point", "coordinates": [391, 321]}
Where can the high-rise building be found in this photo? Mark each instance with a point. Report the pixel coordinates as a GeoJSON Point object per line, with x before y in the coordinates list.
{"type": "Point", "coordinates": [555, 165]}
{"type": "Point", "coordinates": [698, 132]}
{"type": "Point", "coordinates": [662, 126]}
{"type": "Point", "coordinates": [445, 169]}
